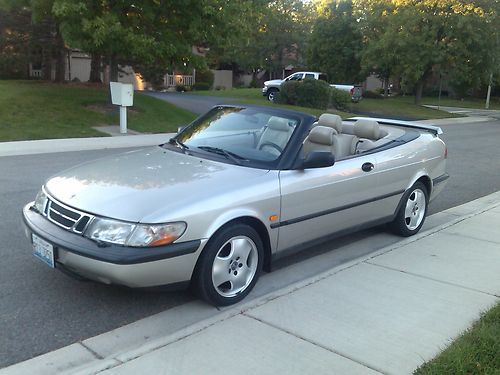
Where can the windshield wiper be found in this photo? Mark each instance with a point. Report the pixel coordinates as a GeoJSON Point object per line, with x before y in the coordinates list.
{"type": "Point", "coordinates": [220, 151]}
{"type": "Point", "coordinates": [182, 146]}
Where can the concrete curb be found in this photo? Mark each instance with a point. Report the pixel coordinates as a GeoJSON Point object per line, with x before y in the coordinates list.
{"type": "Point", "coordinates": [80, 144]}
{"type": "Point", "coordinates": [83, 360]}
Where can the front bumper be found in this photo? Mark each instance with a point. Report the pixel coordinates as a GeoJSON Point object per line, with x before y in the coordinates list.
{"type": "Point", "coordinates": [264, 91]}
{"type": "Point", "coordinates": [113, 264]}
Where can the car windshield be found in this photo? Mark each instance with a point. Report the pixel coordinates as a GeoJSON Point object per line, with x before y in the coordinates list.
{"type": "Point", "coordinates": [239, 135]}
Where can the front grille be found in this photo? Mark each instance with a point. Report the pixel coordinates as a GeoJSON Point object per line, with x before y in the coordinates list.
{"type": "Point", "coordinates": [67, 217]}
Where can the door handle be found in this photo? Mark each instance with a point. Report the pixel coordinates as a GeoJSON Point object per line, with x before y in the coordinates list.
{"type": "Point", "coordinates": [367, 167]}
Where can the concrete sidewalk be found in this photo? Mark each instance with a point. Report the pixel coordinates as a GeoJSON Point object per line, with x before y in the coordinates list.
{"type": "Point", "coordinates": [387, 312]}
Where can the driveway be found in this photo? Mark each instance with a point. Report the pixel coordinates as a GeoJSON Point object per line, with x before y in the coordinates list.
{"type": "Point", "coordinates": [198, 104]}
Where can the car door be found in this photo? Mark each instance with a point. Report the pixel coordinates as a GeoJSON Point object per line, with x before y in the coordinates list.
{"type": "Point", "coordinates": [318, 202]}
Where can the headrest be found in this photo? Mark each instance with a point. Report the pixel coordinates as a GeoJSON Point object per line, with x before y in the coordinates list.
{"type": "Point", "coordinates": [332, 121]}
{"type": "Point", "coordinates": [278, 123]}
{"type": "Point", "coordinates": [364, 128]}
{"type": "Point", "coordinates": [322, 135]}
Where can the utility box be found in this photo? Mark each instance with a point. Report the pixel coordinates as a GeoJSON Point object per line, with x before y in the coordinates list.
{"type": "Point", "coordinates": [122, 94]}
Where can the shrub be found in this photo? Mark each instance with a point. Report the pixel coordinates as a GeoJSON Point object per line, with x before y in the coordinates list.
{"type": "Point", "coordinates": [307, 93]}
{"type": "Point", "coordinates": [201, 86]}
{"type": "Point", "coordinates": [339, 99]}
{"type": "Point", "coordinates": [206, 76]}
{"type": "Point", "coordinates": [180, 88]}
{"type": "Point", "coordinates": [219, 88]}
{"type": "Point", "coordinates": [254, 84]}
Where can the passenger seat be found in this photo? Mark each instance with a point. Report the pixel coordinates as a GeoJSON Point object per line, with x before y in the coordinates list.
{"type": "Point", "coordinates": [319, 139]}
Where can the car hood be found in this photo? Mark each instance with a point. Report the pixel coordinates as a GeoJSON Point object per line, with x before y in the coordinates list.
{"type": "Point", "coordinates": [133, 185]}
{"type": "Point", "coordinates": [273, 82]}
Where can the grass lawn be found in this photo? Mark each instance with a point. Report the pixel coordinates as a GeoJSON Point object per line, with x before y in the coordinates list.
{"type": "Point", "coordinates": [477, 351]}
{"type": "Point", "coordinates": [398, 107]}
{"type": "Point", "coordinates": [38, 110]}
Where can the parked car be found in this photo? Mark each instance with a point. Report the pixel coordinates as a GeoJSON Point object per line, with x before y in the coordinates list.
{"type": "Point", "coordinates": [233, 191]}
{"type": "Point", "coordinates": [271, 88]}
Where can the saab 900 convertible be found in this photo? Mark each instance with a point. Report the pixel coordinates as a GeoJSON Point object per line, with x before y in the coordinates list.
{"type": "Point", "coordinates": [235, 189]}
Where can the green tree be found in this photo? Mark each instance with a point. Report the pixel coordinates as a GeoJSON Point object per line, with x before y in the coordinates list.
{"type": "Point", "coordinates": [422, 36]}
{"type": "Point", "coordinates": [335, 42]}
{"type": "Point", "coordinates": [377, 54]}
{"type": "Point", "coordinates": [42, 33]}
{"type": "Point", "coordinates": [152, 36]}
{"type": "Point", "coordinates": [272, 35]}
{"type": "Point", "coordinates": [15, 32]}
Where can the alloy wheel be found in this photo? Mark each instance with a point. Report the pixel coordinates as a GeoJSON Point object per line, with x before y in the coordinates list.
{"type": "Point", "coordinates": [234, 266]}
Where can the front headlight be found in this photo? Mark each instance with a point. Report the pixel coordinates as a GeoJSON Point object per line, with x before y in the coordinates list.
{"type": "Point", "coordinates": [135, 235]}
{"type": "Point", "coordinates": [41, 201]}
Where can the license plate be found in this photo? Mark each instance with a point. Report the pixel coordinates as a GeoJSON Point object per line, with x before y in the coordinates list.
{"type": "Point", "coordinates": [43, 250]}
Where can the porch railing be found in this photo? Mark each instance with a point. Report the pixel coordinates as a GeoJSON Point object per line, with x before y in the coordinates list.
{"type": "Point", "coordinates": [172, 80]}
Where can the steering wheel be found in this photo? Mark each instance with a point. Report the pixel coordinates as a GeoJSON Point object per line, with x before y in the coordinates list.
{"type": "Point", "coordinates": [272, 145]}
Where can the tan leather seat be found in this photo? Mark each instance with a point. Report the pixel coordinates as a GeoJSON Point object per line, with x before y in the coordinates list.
{"type": "Point", "coordinates": [319, 139]}
{"type": "Point", "coordinates": [343, 144]}
{"type": "Point", "coordinates": [330, 120]}
{"type": "Point", "coordinates": [369, 133]}
{"type": "Point", "coordinates": [277, 132]}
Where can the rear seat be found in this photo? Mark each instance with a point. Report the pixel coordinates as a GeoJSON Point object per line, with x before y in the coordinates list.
{"type": "Point", "coordinates": [369, 135]}
{"type": "Point", "coordinates": [343, 144]}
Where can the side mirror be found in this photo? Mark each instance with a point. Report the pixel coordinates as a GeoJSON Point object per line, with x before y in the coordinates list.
{"type": "Point", "coordinates": [317, 159]}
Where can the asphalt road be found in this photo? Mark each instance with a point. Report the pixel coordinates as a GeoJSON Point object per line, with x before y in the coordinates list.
{"type": "Point", "coordinates": [42, 310]}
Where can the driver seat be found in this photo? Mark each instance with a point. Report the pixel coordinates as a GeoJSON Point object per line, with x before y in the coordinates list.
{"type": "Point", "coordinates": [277, 132]}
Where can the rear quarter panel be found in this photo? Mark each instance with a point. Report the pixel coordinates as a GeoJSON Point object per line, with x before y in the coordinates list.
{"type": "Point", "coordinates": [400, 167]}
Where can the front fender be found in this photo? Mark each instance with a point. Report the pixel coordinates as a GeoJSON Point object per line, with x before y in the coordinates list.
{"type": "Point", "coordinates": [239, 213]}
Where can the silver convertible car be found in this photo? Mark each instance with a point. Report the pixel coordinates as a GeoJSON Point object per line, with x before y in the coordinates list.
{"type": "Point", "coordinates": [234, 190]}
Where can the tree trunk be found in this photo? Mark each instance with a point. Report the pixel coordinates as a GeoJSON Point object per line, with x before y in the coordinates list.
{"type": "Point", "coordinates": [47, 62]}
{"type": "Point", "coordinates": [60, 57]}
{"type": "Point", "coordinates": [419, 90]}
{"type": "Point", "coordinates": [95, 69]}
{"type": "Point", "coordinates": [113, 69]}
{"type": "Point", "coordinates": [386, 87]}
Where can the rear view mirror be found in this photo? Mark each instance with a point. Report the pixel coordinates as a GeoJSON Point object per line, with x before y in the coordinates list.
{"type": "Point", "coordinates": [317, 159]}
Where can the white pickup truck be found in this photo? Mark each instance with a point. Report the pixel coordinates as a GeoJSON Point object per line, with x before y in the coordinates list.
{"type": "Point", "coordinates": [272, 87]}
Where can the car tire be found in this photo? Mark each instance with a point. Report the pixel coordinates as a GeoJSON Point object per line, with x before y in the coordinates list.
{"type": "Point", "coordinates": [272, 94]}
{"type": "Point", "coordinates": [229, 265]}
{"type": "Point", "coordinates": [412, 211]}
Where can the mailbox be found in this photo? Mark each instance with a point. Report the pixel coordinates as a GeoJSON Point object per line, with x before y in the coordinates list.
{"type": "Point", "coordinates": [122, 94]}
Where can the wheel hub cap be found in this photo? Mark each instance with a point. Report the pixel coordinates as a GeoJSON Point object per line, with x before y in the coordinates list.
{"type": "Point", "coordinates": [415, 209]}
{"type": "Point", "coordinates": [234, 266]}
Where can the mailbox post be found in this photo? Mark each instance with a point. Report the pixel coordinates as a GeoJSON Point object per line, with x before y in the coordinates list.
{"type": "Point", "coordinates": [122, 94]}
